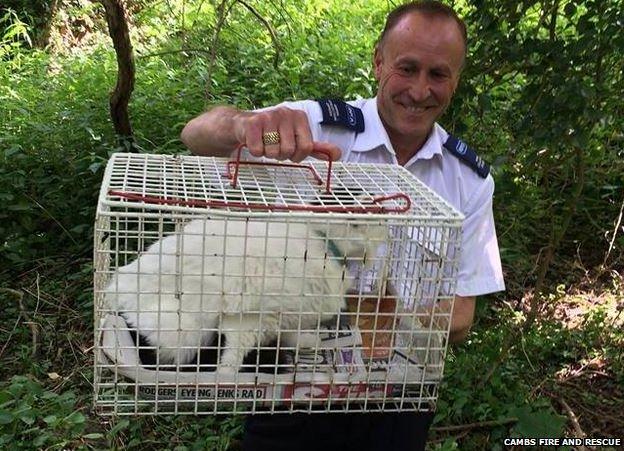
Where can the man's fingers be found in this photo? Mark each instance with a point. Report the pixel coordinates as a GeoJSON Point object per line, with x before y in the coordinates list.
{"type": "Point", "coordinates": [323, 150]}
{"type": "Point", "coordinates": [252, 137]}
{"type": "Point", "coordinates": [295, 138]}
{"type": "Point", "coordinates": [288, 141]}
{"type": "Point", "coordinates": [303, 138]}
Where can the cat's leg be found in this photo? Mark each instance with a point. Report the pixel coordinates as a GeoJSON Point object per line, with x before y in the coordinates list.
{"type": "Point", "coordinates": [242, 335]}
{"type": "Point", "coordinates": [240, 338]}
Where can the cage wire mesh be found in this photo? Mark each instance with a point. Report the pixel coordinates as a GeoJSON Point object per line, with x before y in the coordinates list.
{"type": "Point", "coordinates": [260, 288]}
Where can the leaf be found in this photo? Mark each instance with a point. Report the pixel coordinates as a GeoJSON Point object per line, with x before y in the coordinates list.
{"type": "Point", "coordinates": [28, 418]}
{"type": "Point", "coordinates": [6, 417]}
{"type": "Point", "coordinates": [49, 395]}
{"type": "Point", "coordinates": [123, 424]}
{"type": "Point", "coordinates": [12, 151]}
{"type": "Point", "coordinates": [51, 419]}
{"type": "Point", "coordinates": [93, 436]}
{"type": "Point", "coordinates": [75, 418]}
{"type": "Point", "coordinates": [94, 167]}
{"type": "Point", "coordinates": [41, 440]}
{"type": "Point", "coordinates": [20, 206]}
{"type": "Point", "coordinates": [535, 424]}
{"type": "Point", "coordinates": [6, 438]}
{"type": "Point", "coordinates": [569, 9]}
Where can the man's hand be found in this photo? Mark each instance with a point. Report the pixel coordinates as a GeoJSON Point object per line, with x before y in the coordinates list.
{"type": "Point", "coordinates": [295, 139]}
{"type": "Point", "coordinates": [280, 133]}
{"type": "Point", "coordinates": [461, 320]}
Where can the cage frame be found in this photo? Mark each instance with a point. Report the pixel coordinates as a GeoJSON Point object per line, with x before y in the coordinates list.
{"type": "Point", "coordinates": [110, 200]}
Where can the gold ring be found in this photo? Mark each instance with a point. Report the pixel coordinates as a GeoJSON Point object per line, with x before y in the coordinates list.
{"type": "Point", "coordinates": [271, 138]}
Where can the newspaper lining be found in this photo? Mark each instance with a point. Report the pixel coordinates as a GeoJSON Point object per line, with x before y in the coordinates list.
{"type": "Point", "coordinates": [350, 365]}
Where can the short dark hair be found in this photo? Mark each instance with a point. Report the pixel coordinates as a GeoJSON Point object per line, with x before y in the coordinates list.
{"type": "Point", "coordinates": [431, 8]}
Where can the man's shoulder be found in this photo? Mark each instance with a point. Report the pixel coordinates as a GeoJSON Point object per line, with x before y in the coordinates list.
{"type": "Point", "coordinates": [342, 114]}
{"type": "Point", "coordinates": [465, 154]}
{"type": "Point", "coordinates": [359, 103]}
{"type": "Point", "coordinates": [335, 113]}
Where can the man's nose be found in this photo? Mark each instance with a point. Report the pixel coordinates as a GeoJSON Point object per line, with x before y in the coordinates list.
{"type": "Point", "coordinates": [420, 88]}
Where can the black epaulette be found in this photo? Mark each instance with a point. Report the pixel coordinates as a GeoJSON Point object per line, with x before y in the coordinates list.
{"type": "Point", "coordinates": [338, 112]}
{"type": "Point", "coordinates": [461, 150]}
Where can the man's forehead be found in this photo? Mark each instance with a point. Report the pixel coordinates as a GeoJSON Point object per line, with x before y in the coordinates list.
{"type": "Point", "coordinates": [432, 26]}
{"type": "Point", "coordinates": [417, 32]}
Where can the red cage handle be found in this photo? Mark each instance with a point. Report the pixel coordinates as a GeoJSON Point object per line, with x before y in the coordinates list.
{"type": "Point", "coordinates": [237, 162]}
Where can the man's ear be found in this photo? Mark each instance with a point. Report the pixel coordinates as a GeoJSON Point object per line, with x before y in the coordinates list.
{"type": "Point", "coordinates": [377, 62]}
{"type": "Point", "coordinates": [456, 83]}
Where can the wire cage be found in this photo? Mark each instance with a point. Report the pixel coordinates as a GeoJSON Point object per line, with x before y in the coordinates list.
{"type": "Point", "coordinates": [230, 286]}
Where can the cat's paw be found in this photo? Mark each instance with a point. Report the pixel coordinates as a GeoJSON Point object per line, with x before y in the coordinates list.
{"type": "Point", "coordinates": [226, 373]}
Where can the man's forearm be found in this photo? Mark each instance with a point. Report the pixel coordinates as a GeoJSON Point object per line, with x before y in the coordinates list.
{"type": "Point", "coordinates": [457, 336]}
{"type": "Point", "coordinates": [462, 319]}
{"type": "Point", "coordinates": [214, 132]}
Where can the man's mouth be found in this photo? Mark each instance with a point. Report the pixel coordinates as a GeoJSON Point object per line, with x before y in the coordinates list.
{"type": "Point", "coordinates": [415, 109]}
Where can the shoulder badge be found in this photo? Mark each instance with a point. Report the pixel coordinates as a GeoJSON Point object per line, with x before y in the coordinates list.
{"type": "Point", "coordinates": [461, 150]}
{"type": "Point", "coordinates": [337, 112]}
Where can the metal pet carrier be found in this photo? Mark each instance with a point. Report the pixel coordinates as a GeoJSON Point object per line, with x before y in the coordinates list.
{"type": "Point", "coordinates": [232, 286]}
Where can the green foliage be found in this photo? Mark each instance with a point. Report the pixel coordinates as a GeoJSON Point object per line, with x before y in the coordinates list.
{"type": "Point", "coordinates": [537, 423]}
{"type": "Point", "coordinates": [15, 34]}
{"type": "Point", "coordinates": [33, 14]}
{"type": "Point", "coordinates": [179, 433]}
{"type": "Point", "coordinates": [539, 98]}
{"type": "Point", "coordinates": [52, 150]}
{"type": "Point", "coordinates": [32, 417]}
{"type": "Point", "coordinates": [537, 366]}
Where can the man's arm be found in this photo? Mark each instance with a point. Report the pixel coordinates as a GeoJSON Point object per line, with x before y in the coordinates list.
{"type": "Point", "coordinates": [213, 133]}
{"type": "Point", "coordinates": [221, 130]}
{"type": "Point", "coordinates": [462, 319]}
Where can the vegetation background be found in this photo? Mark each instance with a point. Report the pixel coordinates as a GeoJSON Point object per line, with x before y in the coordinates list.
{"type": "Point", "coordinates": [540, 100]}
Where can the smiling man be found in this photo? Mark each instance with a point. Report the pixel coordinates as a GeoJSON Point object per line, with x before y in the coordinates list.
{"type": "Point", "coordinates": [417, 62]}
{"type": "Point", "coordinates": [416, 82]}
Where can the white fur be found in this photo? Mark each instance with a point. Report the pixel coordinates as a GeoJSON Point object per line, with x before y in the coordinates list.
{"type": "Point", "coordinates": [187, 286]}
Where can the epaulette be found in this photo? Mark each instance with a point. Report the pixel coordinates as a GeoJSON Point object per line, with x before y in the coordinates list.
{"type": "Point", "coordinates": [338, 112]}
{"type": "Point", "coordinates": [461, 150]}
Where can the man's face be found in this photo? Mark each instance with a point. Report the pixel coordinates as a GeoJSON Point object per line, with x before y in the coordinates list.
{"type": "Point", "coordinates": [417, 66]}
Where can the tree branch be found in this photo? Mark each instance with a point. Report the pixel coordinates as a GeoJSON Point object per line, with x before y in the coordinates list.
{"type": "Point", "coordinates": [169, 52]}
{"type": "Point", "coordinates": [553, 20]}
{"type": "Point", "coordinates": [480, 424]}
{"type": "Point", "coordinates": [222, 12]}
{"type": "Point", "coordinates": [615, 230]}
{"type": "Point", "coordinates": [120, 97]}
{"type": "Point", "coordinates": [268, 26]}
{"type": "Point", "coordinates": [575, 424]}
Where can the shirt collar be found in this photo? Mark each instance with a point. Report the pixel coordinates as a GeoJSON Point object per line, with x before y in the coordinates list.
{"type": "Point", "coordinates": [433, 145]}
{"type": "Point", "coordinates": [375, 136]}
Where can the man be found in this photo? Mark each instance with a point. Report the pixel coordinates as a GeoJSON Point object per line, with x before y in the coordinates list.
{"type": "Point", "coordinates": [417, 62]}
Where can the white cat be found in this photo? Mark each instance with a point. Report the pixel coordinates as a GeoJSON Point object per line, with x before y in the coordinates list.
{"type": "Point", "coordinates": [248, 279]}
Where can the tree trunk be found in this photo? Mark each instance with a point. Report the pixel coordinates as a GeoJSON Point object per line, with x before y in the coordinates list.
{"type": "Point", "coordinates": [44, 39]}
{"type": "Point", "coordinates": [119, 98]}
